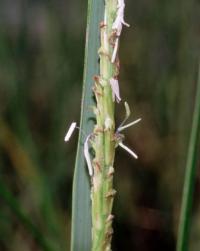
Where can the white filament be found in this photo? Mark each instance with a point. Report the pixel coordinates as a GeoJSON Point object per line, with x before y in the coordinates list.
{"type": "Point", "coordinates": [121, 128]}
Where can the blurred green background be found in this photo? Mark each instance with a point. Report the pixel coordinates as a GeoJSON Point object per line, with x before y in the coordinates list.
{"type": "Point", "coordinates": [41, 68]}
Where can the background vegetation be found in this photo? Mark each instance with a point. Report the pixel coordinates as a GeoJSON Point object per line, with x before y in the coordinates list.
{"type": "Point", "coordinates": [41, 68]}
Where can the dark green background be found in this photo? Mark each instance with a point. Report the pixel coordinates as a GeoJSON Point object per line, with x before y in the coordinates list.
{"type": "Point", "coordinates": [41, 68]}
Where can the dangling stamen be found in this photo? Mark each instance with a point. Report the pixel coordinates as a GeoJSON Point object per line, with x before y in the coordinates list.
{"type": "Point", "coordinates": [87, 155]}
{"type": "Point", "coordinates": [128, 113]}
{"type": "Point", "coordinates": [121, 128]}
{"type": "Point", "coordinates": [115, 50]}
{"type": "Point", "coordinates": [128, 150]}
{"type": "Point", "coordinates": [117, 26]}
{"type": "Point", "coordinates": [119, 21]}
{"type": "Point", "coordinates": [70, 131]}
{"type": "Point", "coordinates": [115, 89]}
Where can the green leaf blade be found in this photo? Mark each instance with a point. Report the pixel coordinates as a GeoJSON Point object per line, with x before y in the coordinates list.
{"type": "Point", "coordinates": [189, 182]}
{"type": "Point", "coordinates": [81, 208]}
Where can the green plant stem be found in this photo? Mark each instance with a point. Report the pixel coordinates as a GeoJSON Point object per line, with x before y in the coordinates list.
{"type": "Point", "coordinates": [187, 199]}
{"type": "Point", "coordinates": [104, 137]}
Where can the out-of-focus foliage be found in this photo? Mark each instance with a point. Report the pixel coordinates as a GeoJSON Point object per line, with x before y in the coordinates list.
{"type": "Point", "coordinates": [41, 67]}
{"type": "Point", "coordinates": [190, 176]}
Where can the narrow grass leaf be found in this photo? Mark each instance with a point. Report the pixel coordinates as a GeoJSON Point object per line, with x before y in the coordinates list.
{"type": "Point", "coordinates": [187, 199]}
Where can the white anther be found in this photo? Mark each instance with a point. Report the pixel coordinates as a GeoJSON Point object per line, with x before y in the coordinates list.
{"type": "Point", "coordinates": [87, 155]}
{"type": "Point", "coordinates": [70, 131]}
{"type": "Point", "coordinates": [119, 21]}
{"type": "Point", "coordinates": [121, 128]}
{"type": "Point", "coordinates": [128, 150]}
{"type": "Point", "coordinates": [115, 89]}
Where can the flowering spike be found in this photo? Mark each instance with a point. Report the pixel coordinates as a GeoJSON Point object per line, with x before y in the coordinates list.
{"type": "Point", "coordinates": [87, 155]}
{"type": "Point", "coordinates": [70, 131]}
{"type": "Point", "coordinates": [105, 137]}
{"type": "Point", "coordinates": [128, 150]}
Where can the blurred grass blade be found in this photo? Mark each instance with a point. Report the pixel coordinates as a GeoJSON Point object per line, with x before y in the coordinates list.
{"type": "Point", "coordinates": [14, 206]}
{"type": "Point", "coordinates": [81, 211]}
{"type": "Point", "coordinates": [187, 199]}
